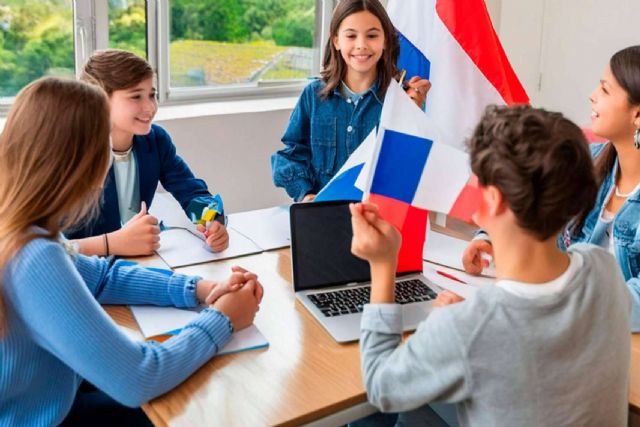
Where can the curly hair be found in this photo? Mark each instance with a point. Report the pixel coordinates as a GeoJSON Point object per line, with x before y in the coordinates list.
{"type": "Point", "coordinates": [540, 162]}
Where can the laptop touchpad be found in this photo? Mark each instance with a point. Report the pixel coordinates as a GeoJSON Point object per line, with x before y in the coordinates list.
{"type": "Point", "coordinates": [413, 314]}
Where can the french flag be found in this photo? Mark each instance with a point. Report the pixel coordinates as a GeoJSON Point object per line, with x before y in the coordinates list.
{"type": "Point", "coordinates": [453, 44]}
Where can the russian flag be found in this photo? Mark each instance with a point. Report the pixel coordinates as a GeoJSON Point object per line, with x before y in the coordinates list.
{"type": "Point", "coordinates": [412, 173]}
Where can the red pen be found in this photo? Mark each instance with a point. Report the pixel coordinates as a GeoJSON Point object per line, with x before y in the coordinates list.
{"type": "Point", "coordinates": [449, 276]}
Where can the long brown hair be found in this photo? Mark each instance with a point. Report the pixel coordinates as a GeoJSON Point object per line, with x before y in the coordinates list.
{"type": "Point", "coordinates": [54, 154]}
{"type": "Point", "coordinates": [625, 67]}
{"type": "Point", "coordinates": [334, 68]}
{"type": "Point", "coordinates": [115, 69]}
{"type": "Point", "coordinates": [539, 161]}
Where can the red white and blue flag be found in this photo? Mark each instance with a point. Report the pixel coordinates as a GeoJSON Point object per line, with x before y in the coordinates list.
{"type": "Point", "coordinates": [417, 162]}
{"type": "Point", "coordinates": [453, 44]}
{"type": "Point", "coordinates": [412, 172]}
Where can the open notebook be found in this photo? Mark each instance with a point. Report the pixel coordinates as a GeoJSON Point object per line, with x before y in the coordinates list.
{"type": "Point", "coordinates": [161, 323]}
{"type": "Point", "coordinates": [249, 233]}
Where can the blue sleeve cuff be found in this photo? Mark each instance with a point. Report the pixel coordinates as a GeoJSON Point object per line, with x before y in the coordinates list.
{"type": "Point", "coordinates": [215, 324]}
{"type": "Point", "coordinates": [383, 318]}
{"type": "Point", "coordinates": [182, 290]}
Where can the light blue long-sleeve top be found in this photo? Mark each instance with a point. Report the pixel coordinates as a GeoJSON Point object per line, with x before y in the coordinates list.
{"type": "Point", "coordinates": [57, 333]}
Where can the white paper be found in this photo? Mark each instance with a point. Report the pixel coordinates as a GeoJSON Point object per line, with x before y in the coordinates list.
{"type": "Point", "coordinates": [267, 228]}
{"type": "Point", "coordinates": [162, 320]}
{"type": "Point", "coordinates": [466, 290]}
{"type": "Point", "coordinates": [179, 247]}
{"type": "Point", "coordinates": [168, 210]}
{"type": "Point", "coordinates": [445, 250]}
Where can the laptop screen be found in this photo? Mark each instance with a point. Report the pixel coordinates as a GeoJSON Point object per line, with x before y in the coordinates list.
{"type": "Point", "coordinates": [321, 246]}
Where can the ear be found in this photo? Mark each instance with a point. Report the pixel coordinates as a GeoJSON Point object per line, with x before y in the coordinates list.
{"type": "Point", "coordinates": [636, 116]}
{"type": "Point", "coordinates": [494, 200]}
{"type": "Point", "coordinates": [335, 42]}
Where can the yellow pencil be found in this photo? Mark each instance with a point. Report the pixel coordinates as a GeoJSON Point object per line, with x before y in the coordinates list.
{"type": "Point", "coordinates": [402, 76]}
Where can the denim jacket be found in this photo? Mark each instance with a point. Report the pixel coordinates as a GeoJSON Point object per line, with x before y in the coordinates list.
{"type": "Point", "coordinates": [626, 236]}
{"type": "Point", "coordinates": [321, 135]}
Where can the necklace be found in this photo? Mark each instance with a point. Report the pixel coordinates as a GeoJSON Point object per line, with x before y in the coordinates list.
{"type": "Point", "coordinates": [123, 153]}
{"type": "Point", "coordinates": [625, 195]}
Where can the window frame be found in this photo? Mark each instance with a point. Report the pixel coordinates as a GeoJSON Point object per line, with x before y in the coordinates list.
{"type": "Point", "coordinates": [158, 25]}
{"type": "Point", "coordinates": [91, 32]}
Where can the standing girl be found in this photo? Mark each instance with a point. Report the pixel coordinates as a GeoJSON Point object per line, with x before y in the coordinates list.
{"type": "Point", "coordinates": [54, 155]}
{"type": "Point", "coordinates": [143, 155]}
{"type": "Point", "coordinates": [335, 113]}
{"type": "Point", "coordinates": [614, 221]}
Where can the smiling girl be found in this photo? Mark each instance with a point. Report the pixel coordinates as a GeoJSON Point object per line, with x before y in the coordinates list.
{"type": "Point", "coordinates": [336, 113]}
{"type": "Point", "coordinates": [143, 155]}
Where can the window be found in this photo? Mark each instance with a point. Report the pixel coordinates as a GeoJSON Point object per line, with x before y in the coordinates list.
{"type": "Point", "coordinates": [201, 49]}
{"type": "Point", "coordinates": [128, 26]}
{"type": "Point", "coordinates": [222, 48]}
{"type": "Point", "coordinates": [36, 39]}
{"type": "Point", "coordinates": [225, 42]}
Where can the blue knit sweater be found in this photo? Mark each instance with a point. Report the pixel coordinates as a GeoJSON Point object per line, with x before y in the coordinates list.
{"type": "Point", "coordinates": [57, 333]}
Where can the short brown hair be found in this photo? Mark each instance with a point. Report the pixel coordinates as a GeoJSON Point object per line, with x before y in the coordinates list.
{"type": "Point", "coordinates": [540, 162]}
{"type": "Point", "coordinates": [333, 66]}
{"type": "Point", "coordinates": [115, 69]}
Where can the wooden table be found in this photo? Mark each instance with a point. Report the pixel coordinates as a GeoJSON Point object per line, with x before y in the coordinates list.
{"type": "Point", "coordinates": [303, 376]}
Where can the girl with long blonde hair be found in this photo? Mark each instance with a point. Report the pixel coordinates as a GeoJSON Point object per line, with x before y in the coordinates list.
{"type": "Point", "coordinates": [54, 155]}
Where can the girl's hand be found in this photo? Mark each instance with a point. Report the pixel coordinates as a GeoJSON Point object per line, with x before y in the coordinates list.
{"type": "Point", "coordinates": [216, 235]}
{"type": "Point", "coordinates": [241, 306]}
{"type": "Point", "coordinates": [139, 236]}
{"type": "Point", "coordinates": [308, 198]}
{"type": "Point", "coordinates": [472, 260]}
{"type": "Point", "coordinates": [417, 89]}
{"type": "Point", "coordinates": [447, 298]}
{"type": "Point", "coordinates": [210, 291]}
{"type": "Point", "coordinates": [374, 239]}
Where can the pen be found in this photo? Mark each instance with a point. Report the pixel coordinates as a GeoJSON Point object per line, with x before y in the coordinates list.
{"type": "Point", "coordinates": [402, 76]}
{"type": "Point", "coordinates": [450, 276]}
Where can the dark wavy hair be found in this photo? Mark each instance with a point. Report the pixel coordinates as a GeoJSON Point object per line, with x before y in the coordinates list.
{"type": "Point", "coordinates": [540, 162]}
{"type": "Point", "coordinates": [625, 67]}
{"type": "Point", "coordinates": [333, 65]}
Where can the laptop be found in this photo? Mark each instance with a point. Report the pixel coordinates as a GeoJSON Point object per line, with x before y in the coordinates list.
{"type": "Point", "coordinates": [332, 283]}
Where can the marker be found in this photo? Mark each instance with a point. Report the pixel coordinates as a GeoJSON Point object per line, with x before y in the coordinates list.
{"type": "Point", "coordinates": [450, 276]}
{"type": "Point", "coordinates": [402, 76]}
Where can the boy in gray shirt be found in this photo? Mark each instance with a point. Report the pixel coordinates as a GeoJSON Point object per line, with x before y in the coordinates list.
{"type": "Point", "coordinates": [549, 344]}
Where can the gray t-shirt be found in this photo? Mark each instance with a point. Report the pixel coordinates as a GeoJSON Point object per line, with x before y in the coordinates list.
{"type": "Point", "coordinates": [555, 360]}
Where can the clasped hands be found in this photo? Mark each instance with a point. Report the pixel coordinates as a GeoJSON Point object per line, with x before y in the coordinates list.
{"type": "Point", "coordinates": [238, 297]}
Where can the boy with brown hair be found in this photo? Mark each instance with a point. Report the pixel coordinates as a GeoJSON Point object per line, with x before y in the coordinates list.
{"type": "Point", "coordinates": [549, 343]}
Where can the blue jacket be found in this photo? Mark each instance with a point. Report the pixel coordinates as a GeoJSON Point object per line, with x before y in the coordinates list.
{"type": "Point", "coordinates": [626, 236]}
{"type": "Point", "coordinates": [320, 137]}
{"type": "Point", "coordinates": [157, 161]}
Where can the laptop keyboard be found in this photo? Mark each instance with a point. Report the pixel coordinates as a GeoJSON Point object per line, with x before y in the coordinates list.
{"type": "Point", "coordinates": [352, 300]}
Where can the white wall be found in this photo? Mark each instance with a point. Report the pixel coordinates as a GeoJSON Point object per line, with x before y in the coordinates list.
{"type": "Point", "coordinates": [231, 152]}
{"type": "Point", "coordinates": [559, 48]}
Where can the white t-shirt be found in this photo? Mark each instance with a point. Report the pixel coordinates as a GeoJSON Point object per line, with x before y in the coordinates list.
{"type": "Point", "coordinates": [126, 175]}
{"type": "Point", "coordinates": [555, 286]}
